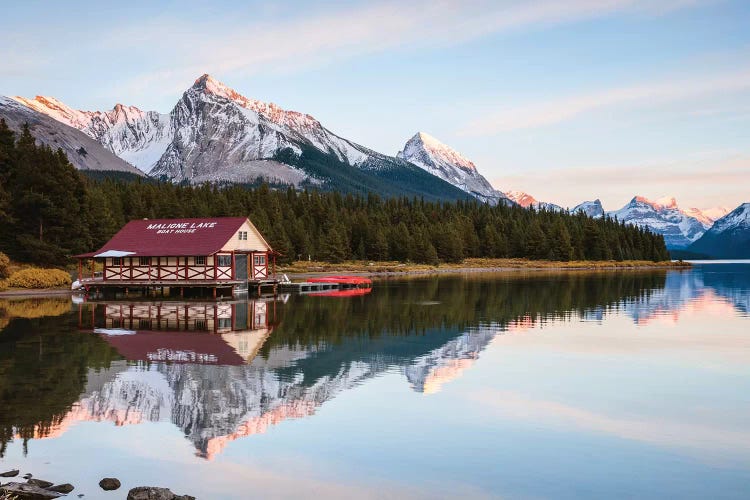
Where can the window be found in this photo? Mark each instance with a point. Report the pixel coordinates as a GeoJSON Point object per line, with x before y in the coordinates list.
{"type": "Point", "coordinates": [200, 260]}
{"type": "Point", "coordinates": [116, 261]}
{"type": "Point", "coordinates": [224, 260]}
{"type": "Point", "coordinates": [201, 324]}
{"type": "Point", "coordinates": [243, 235]}
{"type": "Point", "coordinates": [144, 261]}
{"type": "Point", "coordinates": [259, 260]}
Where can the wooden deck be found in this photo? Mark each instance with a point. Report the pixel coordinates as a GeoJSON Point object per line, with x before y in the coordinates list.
{"type": "Point", "coordinates": [307, 287]}
{"type": "Point", "coordinates": [135, 283]}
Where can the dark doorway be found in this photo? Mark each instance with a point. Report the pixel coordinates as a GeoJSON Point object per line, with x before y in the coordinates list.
{"type": "Point", "coordinates": [240, 262]}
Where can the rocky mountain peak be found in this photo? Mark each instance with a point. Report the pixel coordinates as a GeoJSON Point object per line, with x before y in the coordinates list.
{"type": "Point", "coordinates": [522, 198]}
{"type": "Point", "coordinates": [438, 151]}
{"type": "Point", "coordinates": [444, 162]}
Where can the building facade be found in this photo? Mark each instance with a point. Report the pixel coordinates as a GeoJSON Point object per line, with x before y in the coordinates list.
{"type": "Point", "coordinates": [208, 252]}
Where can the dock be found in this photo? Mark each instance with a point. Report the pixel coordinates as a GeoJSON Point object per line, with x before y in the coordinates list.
{"type": "Point", "coordinates": [325, 284]}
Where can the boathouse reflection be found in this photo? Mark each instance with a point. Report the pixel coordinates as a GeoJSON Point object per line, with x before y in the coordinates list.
{"type": "Point", "coordinates": [226, 333]}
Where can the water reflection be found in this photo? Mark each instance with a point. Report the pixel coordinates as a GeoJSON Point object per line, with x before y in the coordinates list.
{"type": "Point", "coordinates": [223, 371]}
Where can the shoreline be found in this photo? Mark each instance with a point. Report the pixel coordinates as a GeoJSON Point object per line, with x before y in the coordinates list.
{"type": "Point", "coordinates": [473, 266]}
{"type": "Point", "coordinates": [384, 270]}
{"type": "Point", "coordinates": [471, 270]}
{"type": "Point", "coordinates": [35, 292]}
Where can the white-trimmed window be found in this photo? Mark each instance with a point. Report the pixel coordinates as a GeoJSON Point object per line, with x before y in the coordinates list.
{"type": "Point", "coordinates": [242, 235]}
{"type": "Point", "coordinates": [224, 260]}
{"type": "Point", "coordinates": [144, 261]}
{"type": "Point", "coordinates": [116, 261]}
{"type": "Point", "coordinates": [200, 260]}
{"type": "Point", "coordinates": [259, 260]}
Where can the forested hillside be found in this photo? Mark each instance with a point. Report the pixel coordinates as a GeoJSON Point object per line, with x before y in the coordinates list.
{"type": "Point", "coordinates": [49, 211]}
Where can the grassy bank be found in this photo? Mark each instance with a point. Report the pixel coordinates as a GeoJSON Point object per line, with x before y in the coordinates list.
{"type": "Point", "coordinates": [304, 267]}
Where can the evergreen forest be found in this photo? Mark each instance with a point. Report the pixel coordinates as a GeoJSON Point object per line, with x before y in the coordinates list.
{"type": "Point", "coordinates": [50, 211]}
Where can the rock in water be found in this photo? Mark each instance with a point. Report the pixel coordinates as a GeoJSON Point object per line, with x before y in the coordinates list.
{"type": "Point", "coordinates": [40, 482]}
{"type": "Point", "coordinates": [62, 488]}
{"type": "Point", "coordinates": [27, 476]}
{"type": "Point", "coordinates": [26, 491]}
{"type": "Point", "coordinates": [10, 473]}
{"type": "Point", "coordinates": [153, 493]}
{"type": "Point", "coordinates": [109, 483]}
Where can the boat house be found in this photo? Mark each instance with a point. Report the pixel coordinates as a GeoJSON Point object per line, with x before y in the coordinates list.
{"type": "Point", "coordinates": [220, 253]}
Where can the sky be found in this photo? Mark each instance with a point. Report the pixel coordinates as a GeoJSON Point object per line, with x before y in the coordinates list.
{"type": "Point", "coordinates": [568, 100]}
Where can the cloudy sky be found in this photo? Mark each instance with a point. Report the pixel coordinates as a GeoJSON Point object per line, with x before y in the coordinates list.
{"type": "Point", "coordinates": [565, 99]}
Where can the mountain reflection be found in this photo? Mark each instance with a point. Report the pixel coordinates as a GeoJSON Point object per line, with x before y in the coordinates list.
{"type": "Point", "coordinates": [222, 371]}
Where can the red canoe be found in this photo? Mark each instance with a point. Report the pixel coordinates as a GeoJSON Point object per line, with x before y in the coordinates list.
{"type": "Point", "coordinates": [344, 280]}
{"type": "Point", "coordinates": [352, 292]}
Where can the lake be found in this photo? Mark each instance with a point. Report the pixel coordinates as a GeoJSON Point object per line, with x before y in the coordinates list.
{"type": "Point", "coordinates": [520, 385]}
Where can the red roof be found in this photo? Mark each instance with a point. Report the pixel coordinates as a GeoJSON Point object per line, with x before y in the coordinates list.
{"type": "Point", "coordinates": [173, 237]}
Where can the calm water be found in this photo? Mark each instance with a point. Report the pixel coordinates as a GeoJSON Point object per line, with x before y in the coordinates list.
{"type": "Point", "coordinates": [580, 385]}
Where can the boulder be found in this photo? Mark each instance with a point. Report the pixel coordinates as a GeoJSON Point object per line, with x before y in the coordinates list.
{"type": "Point", "coordinates": [154, 493]}
{"type": "Point", "coordinates": [62, 488]}
{"type": "Point", "coordinates": [10, 473]}
{"type": "Point", "coordinates": [26, 491]}
{"type": "Point", "coordinates": [109, 483]}
{"type": "Point", "coordinates": [27, 476]}
{"type": "Point", "coordinates": [40, 482]}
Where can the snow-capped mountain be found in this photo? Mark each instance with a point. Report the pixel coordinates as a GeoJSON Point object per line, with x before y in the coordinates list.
{"type": "Point", "coordinates": [707, 216]}
{"type": "Point", "coordinates": [215, 134]}
{"type": "Point", "coordinates": [662, 216]}
{"type": "Point", "coordinates": [446, 163]}
{"type": "Point", "coordinates": [527, 201]}
{"type": "Point", "coordinates": [82, 151]}
{"type": "Point", "coordinates": [138, 137]}
{"type": "Point", "coordinates": [590, 208]}
{"type": "Point", "coordinates": [729, 237]}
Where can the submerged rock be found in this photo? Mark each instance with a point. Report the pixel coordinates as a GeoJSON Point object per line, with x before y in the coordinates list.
{"type": "Point", "coordinates": [28, 476]}
{"type": "Point", "coordinates": [109, 483]}
{"type": "Point", "coordinates": [62, 488]}
{"type": "Point", "coordinates": [10, 473]}
{"type": "Point", "coordinates": [26, 491]}
{"type": "Point", "coordinates": [153, 493]}
{"type": "Point", "coordinates": [40, 482]}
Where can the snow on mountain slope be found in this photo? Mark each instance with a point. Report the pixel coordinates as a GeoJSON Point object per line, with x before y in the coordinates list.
{"type": "Point", "coordinates": [527, 201]}
{"type": "Point", "coordinates": [215, 134]}
{"type": "Point", "coordinates": [446, 163]}
{"type": "Point", "coordinates": [739, 218]}
{"type": "Point", "coordinates": [302, 124]}
{"type": "Point", "coordinates": [707, 216]}
{"type": "Point", "coordinates": [662, 216]}
{"type": "Point", "coordinates": [715, 213]}
{"type": "Point", "coordinates": [590, 208]}
{"type": "Point", "coordinates": [138, 137]}
{"type": "Point", "coordinates": [729, 237]}
{"type": "Point", "coordinates": [82, 151]}
{"type": "Point", "coordinates": [211, 133]}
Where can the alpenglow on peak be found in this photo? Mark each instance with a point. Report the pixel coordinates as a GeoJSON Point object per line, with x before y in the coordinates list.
{"type": "Point", "coordinates": [437, 150]}
{"type": "Point", "coordinates": [444, 162]}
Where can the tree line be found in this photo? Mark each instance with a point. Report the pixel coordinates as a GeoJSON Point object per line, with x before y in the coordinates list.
{"type": "Point", "coordinates": [50, 211]}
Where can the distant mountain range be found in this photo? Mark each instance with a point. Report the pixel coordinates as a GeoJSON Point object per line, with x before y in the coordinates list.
{"type": "Point", "coordinates": [215, 134]}
{"type": "Point", "coordinates": [528, 201]}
